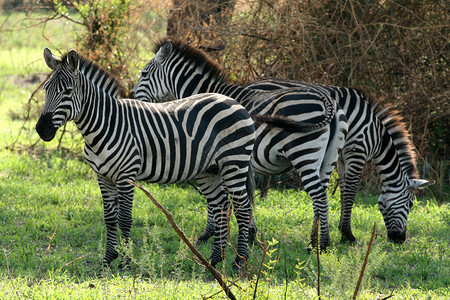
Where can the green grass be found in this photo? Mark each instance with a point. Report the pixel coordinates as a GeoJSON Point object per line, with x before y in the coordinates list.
{"type": "Point", "coordinates": [46, 195]}
{"type": "Point", "coordinates": [52, 235]}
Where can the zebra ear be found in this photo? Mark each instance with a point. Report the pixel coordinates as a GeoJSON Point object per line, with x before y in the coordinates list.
{"type": "Point", "coordinates": [51, 61]}
{"type": "Point", "coordinates": [420, 183]}
{"type": "Point", "coordinates": [72, 60]}
{"type": "Point", "coordinates": [164, 52]}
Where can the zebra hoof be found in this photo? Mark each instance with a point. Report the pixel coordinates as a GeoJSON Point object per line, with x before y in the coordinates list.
{"type": "Point", "coordinates": [203, 239]}
{"type": "Point", "coordinates": [108, 259]}
{"type": "Point", "coordinates": [214, 262]}
{"type": "Point", "coordinates": [252, 234]}
{"type": "Point", "coordinates": [312, 249]}
{"type": "Point", "coordinates": [124, 265]}
{"type": "Point", "coordinates": [200, 241]}
{"type": "Point", "coordinates": [348, 240]}
{"type": "Point", "coordinates": [239, 265]}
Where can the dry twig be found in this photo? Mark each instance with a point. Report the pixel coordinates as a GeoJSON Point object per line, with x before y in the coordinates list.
{"type": "Point", "coordinates": [318, 258]}
{"type": "Point", "coordinates": [46, 251]}
{"type": "Point", "coordinates": [363, 268]}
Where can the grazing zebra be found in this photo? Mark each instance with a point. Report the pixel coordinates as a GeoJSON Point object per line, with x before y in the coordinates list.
{"type": "Point", "coordinates": [179, 70]}
{"type": "Point", "coordinates": [208, 137]}
{"type": "Point", "coordinates": [375, 132]}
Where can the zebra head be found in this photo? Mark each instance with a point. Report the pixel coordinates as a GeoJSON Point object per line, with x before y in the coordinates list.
{"type": "Point", "coordinates": [395, 204]}
{"type": "Point", "coordinates": [153, 85]}
{"type": "Point", "coordinates": [60, 101]}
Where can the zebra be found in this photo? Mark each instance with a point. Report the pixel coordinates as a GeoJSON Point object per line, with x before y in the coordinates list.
{"type": "Point", "coordinates": [208, 137]}
{"type": "Point", "coordinates": [179, 70]}
{"type": "Point", "coordinates": [376, 132]}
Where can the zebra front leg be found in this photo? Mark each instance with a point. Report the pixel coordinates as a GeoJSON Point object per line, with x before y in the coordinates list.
{"type": "Point", "coordinates": [110, 212]}
{"type": "Point", "coordinates": [126, 192]}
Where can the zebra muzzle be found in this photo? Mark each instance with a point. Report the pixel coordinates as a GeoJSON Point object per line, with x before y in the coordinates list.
{"type": "Point", "coordinates": [397, 236]}
{"type": "Point", "coordinates": [45, 127]}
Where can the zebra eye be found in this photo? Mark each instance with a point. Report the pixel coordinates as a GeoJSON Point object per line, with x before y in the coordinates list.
{"type": "Point", "coordinates": [67, 91]}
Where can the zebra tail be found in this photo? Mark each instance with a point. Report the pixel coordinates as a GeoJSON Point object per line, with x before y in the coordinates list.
{"type": "Point", "coordinates": [250, 184]}
{"type": "Point", "coordinates": [285, 123]}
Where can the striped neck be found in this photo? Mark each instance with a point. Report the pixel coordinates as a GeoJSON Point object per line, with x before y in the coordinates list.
{"type": "Point", "coordinates": [98, 98]}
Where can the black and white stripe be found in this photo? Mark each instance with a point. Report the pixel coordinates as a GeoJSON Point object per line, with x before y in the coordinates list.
{"type": "Point", "coordinates": [208, 137]}
{"type": "Point", "coordinates": [375, 133]}
{"type": "Point", "coordinates": [179, 70]}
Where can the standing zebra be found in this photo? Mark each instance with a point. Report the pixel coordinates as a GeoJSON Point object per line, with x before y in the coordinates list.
{"type": "Point", "coordinates": [375, 132]}
{"type": "Point", "coordinates": [208, 137]}
{"type": "Point", "coordinates": [179, 70]}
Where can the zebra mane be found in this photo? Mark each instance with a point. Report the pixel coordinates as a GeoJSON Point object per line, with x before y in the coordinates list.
{"type": "Point", "coordinates": [97, 74]}
{"type": "Point", "coordinates": [396, 128]}
{"type": "Point", "coordinates": [194, 55]}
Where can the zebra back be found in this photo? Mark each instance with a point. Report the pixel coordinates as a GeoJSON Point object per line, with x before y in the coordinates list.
{"type": "Point", "coordinates": [196, 73]}
{"type": "Point", "coordinates": [351, 100]}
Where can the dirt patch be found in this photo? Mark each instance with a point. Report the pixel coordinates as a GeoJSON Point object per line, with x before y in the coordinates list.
{"type": "Point", "coordinates": [30, 80]}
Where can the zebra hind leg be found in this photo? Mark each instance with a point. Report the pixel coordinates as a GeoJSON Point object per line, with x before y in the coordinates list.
{"type": "Point", "coordinates": [235, 175]}
{"type": "Point", "coordinates": [349, 183]}
{"type": "Point", "coordinates": [217, 199]}
{"type": "Point", "coordinates": [320, 207]}
{"type": "Point", "coordinates": [210, 228]}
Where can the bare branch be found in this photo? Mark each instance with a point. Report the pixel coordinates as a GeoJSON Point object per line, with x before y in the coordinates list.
{"type": "Point", "coordinates": [363, 268]}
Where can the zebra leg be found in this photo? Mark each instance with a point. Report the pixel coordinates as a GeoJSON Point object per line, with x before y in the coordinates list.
{"type": "Point", "coordinates": [310, 177]}
{"type": "Point", "coordinates": [210, 227]}
{"type": "Point", "coordinates": [349, 183]}
{"type": "Point", "coordinates": [212, 188]}
{"type": "Point", "coordinates": [126, 192]}
{"type": "Point", "coordinates": [320, 207]}
{"type": "Point", "coordinates": [110, 211]}
{"type": "Point", "coordinates": [308, 169]}
{"type": "Point", "coordinates": [234, 174]}
{"type": "Point", "coordinates": [252, 230]}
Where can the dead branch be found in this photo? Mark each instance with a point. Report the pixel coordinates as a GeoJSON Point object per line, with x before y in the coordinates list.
{"type": "Point", "coordinates": [318, 258]}
{"type": "Point", "coordinates": [363, 268]}
{"type": "Point", "coordinates": [265, 249]}
{"type": "Point", "coordinates": [72, 261]}
{"type": "Point", "coordinates": [46, 251]}
{"type": "Point", "coordinates": [183, 237]}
